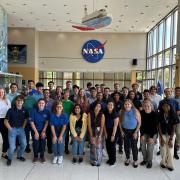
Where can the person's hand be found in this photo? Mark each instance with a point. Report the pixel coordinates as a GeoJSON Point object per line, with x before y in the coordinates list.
{"type": "Point", "coordinates": [60, 139]}
{"type": "Point", "coordinates": [162, 142]}
{"type": "Point", "coordinates": [170, 143]}
{"type": "Point", "coordinates": [135, 135]}
{"type": "Point", "coordinates": [79, 139]}
{"type": "Point", "coordinates": [43, 135]}
{"type": "Point", "coordinates": [142, 139]}
{"type": "Point", "coordinates": [36, 136]}
{"type": "Point", "coordinates": [92, 140]}
{"type": "Point", "coordinates": [54, 139]}
{"type": "Point", "coordinates": [112, 138]}
{"type": "Point", "coordinates": [151, 141]}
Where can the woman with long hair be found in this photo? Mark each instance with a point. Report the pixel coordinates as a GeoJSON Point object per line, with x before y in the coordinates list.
{"type": "Point", "coordinates": [58, 122]}
{"type": "Point", "coordinates": [95, 128]}
{"type": "Point", "coordinates": [130, 122]}
{"type": "Point", "coordinates": [82, 100]}
{"type": "Point", "coordinates": [111, 124]}
{"type": "Point", "coordinates": [78, 127]}
{"type": "Point", "coordinates": [166, 126]}
{"type": "Point", "coordinates": [4, 106]}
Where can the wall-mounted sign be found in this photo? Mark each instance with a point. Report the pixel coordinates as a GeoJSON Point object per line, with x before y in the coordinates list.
{"type": "Point", "coordinates": [93, 51]}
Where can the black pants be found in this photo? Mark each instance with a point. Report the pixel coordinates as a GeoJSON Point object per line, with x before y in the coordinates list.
{"type": "Point", "coordinates": [111, 147]}
{"type": "Point", "coordinates": [67, 137]}
{"type": "Point", "coordinates": [49, 138]}
{"type": "Point", "coordinates": [27, 132]}
{"type": "Point", "coordinates": [119, 139]}
{"type": "Point", "coordinates": [38, 145]}
{"type": "Point", "coordinates": [4, 133]}
{"type": "Point", "coordinates": [130, 143]}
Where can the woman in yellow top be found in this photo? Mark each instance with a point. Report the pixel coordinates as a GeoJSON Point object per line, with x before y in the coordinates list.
{"type": "Point", "coordinates": [78, 126]}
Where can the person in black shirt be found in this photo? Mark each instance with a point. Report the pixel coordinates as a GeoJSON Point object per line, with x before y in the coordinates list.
{"type": "Point", "coordinates": [135, 87]}
{"type": "Point", "coordinates": [167, 124]}
{"type": "Point", "coordinates": [15, 121]}
{"type": "Point", "coordinates": [135, 100]}
{"type": "Point", "coordinates": [148, 132]}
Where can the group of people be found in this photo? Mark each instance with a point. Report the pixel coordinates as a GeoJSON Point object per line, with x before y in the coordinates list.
{"type": "Point", "coordinates": [96, 115]}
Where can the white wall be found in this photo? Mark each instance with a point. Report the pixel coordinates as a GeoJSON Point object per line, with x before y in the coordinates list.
{"type": "Point", "coordinates": [62, 51]}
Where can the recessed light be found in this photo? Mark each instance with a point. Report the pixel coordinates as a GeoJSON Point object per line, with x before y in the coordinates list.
{"type": "Point", "coordinates": [147, 27]}
{"type": "Point", "coordinates": [132, 26]}
{"type": "Point", "coordinates": [136, 21]}
{"type": "Point", "coordinates": [65, 5]}
{"type": "Point", "coordinates": [153, 21]}
{"type": "Point", "coordinates": [31, 12]}
{"type": "Point", "coordinates": [44, 4]}
{"type": "Point", "coordinates": [146, 6]}
{"type": "Point", "coordinates": [167, 6]}
{"type": "Point", "coordinates": [13, 12]}
{"type": "Point", "coordinates": [12, 24]}
{"type": "Point", "coordinates": [53, 19]}
{"type": "Point", "coordinates": [120, 21]}
{"type": "Point", "coordinates": [142, 13]}
{"type": "Point", "coordinates": [121, 15]}
{"type": "Point", "coordinates": [21, 19]}
{"type": "Point", "coordinates": [126, 6]}
{"type": "Point", "coordinates": [106, 6]}
{"type": "Point", "coordinates": [67, 13]}
{"type": "Point", "coordinates": [7, 4]}
{"type": "Point", "coordinates": [24, 4]}
{"type": "Point", "coordinates": [49, 13]}
{"type": "Point", "coordinates": [37, 19]}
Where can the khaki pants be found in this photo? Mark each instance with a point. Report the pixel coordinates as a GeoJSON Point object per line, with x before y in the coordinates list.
{"type": "Point", "coordinates": [178, 134]}
{"type": "Point", "coordinates": [167, 152]}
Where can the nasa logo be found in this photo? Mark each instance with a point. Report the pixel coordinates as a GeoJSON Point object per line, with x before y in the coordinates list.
{"type": "Point", "coordinates": [93, 51]}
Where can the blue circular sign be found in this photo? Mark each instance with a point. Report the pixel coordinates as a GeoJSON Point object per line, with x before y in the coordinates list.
{"type": "Point", "coordinates": [93, 51]}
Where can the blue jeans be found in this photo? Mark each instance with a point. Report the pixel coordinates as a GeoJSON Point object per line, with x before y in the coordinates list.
{"type": "Point", "coordinates": [77, 148]}
{"type": "Point", "coordinates": [12, 135]}
{"type": "Point", "coordinates": [58, 148]}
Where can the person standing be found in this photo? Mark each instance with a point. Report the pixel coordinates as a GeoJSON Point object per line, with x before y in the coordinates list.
{"type": "Point", "coordinates": [15, 122]}
{"type": "Point", "coordinates": [148, 130]}
{"type": "Point", "coordinates": [78, 127]}
{"type": "Point", "coordinates": [96, 122]}
{"type": "Point", "coordinates": [39, 118]}
{"type": "Point", "coordinates": [5, 104]}
{"type": "Point", "coordinates": [130, 122]}
{"type": "Point", "coordinates": [111, 124]}
{"type": "Point", "coordinates": [14, 92]}
{"type": "Point", "coordinates": [58, 122]}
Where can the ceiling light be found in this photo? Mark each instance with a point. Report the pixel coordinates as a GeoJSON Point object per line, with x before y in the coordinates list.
{"type": "Point", "coordinates": [53, 19]}
{"type": "Point", "coordinates": [31, 12]}
{"type": "Point", "coordinates": [146, 6]}
{"type": "Point", "coordinates": [141, 13]}
{"type": "Point", "coordinates": [126, 6]}
{"type": "Point", "coordinates": [21, 19]}
{"type": "Point", "coordinates": [37, 19]}
{"type": "Point", "coordinates": [13, 12]}
{"type": "Point", "coordinates": [67, 13]}
{"type": "Point", "coordinates": [153, 21]}
{"type": "Point", "coordinates": [24, 4]}
{"type": "Point", "coordinates": [106, 6]}
{"type": "Point", "coordinates": [49, 13]}
{"type": "Point", "coordinates": [65, 5]}
{"type": "Point", "coordinates": [136, 21]}
{"type": "Point", "coordinates": [132, 26]}
{"type": "Point", "coordinates": [159, 14]}
{"type": "Point", "coordinates": [44, 4]}
{"type": "Point", "coordinates": [120, 21]}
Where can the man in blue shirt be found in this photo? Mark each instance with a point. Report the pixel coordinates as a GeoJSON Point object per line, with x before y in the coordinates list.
{"type": "Point", "coordinates": [39, 91]}
{"type": "Point", "coordinates": [15, 122]}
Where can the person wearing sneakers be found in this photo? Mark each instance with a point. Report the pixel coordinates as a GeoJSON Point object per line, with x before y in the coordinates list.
{"type": "Point", "coordinates": [39, 118]}
{"type": "Point", "coordinates": [15, 122]}
{"type": "Point", "coordinates": [148, 132]}
{"type": "Point", "coordinates": [130, 122]}
{"type": "Point", "coordinates": [78, 127]}
{"type": "Point", "coordinates": [58, 123]}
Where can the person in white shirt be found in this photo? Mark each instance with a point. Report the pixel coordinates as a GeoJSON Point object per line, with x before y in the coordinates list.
{"type": "Point", "coordinates": [5, 104]}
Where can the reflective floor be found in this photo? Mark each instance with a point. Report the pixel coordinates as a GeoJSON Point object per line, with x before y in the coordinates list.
{"type": "Point", "coordinates": [67, 171]}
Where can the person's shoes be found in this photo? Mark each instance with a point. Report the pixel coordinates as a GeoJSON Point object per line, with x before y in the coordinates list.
{"type": "Point", "coordinates": [126, 163]}
{"type": "Point", "coordinates": [28, 150]}
{"type": "Point", "coordinates": [143, 163]}
{"type": "Point", "coordinates": [5, 156]}
{"type": "Point", "coordinates": [108, 162]}
{"type": "Point", "coordinates": [158, 153]}
{"type": "Point", "coordinates": [35, 160]}
{"type": "Point", "coordinates": [112, 164]}
{"type": "Point", "coordinates": [9, 162]}
{"type": "Point", "coordinates": [49, 151]}
{"type": "Point", "coordinates": [67, 151]}
{"type": "Point", "coordinates": [135, 164]}
{"type": "Point", "coordinates": [60, 160]}
{"type": "Point", "coordinates": [21, 159]}
{"type": "Point", "coordinates": [43, 160]}
{"type": "Point", "coordinates": [74, 160]}
{"type": "Point", "coordinates": [55, 160]}
{"type": "Point", "coordinates": [163, 166]}
{"type": "Point", "coordinates": [139, 149]}
{"type": "Point", "coordinates": [149, 165]}
{"type": "Point", "coordinates": [176, 156]}
{"type": "Point", "coordinates": [170, 169]}
{"type": "Point", "coordinates": [120, 151]}
{"type": "Point", "coordinates": [92, 164]}
{"type": "Point", "coordinates": [80, 160]}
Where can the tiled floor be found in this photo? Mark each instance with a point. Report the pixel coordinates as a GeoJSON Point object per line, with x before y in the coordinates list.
{"type": "Point", "coordinates": [67, 171]}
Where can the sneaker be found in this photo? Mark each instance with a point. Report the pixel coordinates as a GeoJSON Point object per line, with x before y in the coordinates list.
{"type": "Point", "coordinates": [112, 164]}
{"type": "Point", "coordinates": [176, 156]}
{"type": "Point", "coordinates": [108, 161]}
{"type": "Point", "coordinates": [163, 166]}
{"type": "Point", "coordinates": [139, 149]}
{"type": "Point", "coordinates": [9, 162]}
{"type": "Point", "coordinates": [80, 160]}
{"type": "Point", "coordinates": [120, 151]}
{"type": "Point", "coordinates": [149, 165]}
{"type": "Point", "coordinates": [135, 164]}
{"type": "Point", "coordinates": [43, 160]}
{"type": "Point", "coordinates": [5, 156]}
{"type": "Point", "coordinates": [74, 160]}
{"type": "Point", "coordinates": [49, 151]}
{"type": "Point", "coordinates": [170, 169]}
{"type": "Point", "coordinates": [158, 153]}
{"type": "Point", "coordinates": [126, 163]}
{"type": "Point", "coordinates": [21, 159]}
{"type": "Point", "coordinates": [55, 160]}
{"type": "Point", "coordinates": [143, 163]}
{"type": "Point", "coordinates": [35, 160]}
{"type": "Point", "coordinates": [28, 150]}
{"type": "Point", "coordinates": [60, 160]}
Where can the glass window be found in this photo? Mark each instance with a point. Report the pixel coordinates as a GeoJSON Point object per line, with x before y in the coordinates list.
{"type": "Point", "coordinates": [155, 41]}
{"type": "Point", "coordinates": [173, 76]}
{"type": "Point", "coordinates": [174, 56]}
{"type": "Point", "coordinates": [175, 28]}
{"type": "Point", "coordinates": [153, 62]}
{"type": "Point", "coordinates": [168, 32]}
{"type": "Point", "coordinates": [160, 63]}
{"type": "Point", "coordinates": [160, 42]}
{"type": "Point", "coordinates": [160, 75]}
{"type": "Point", "coordinates": [167, 58]}
{"type": "Point", "coordinates": [166, 77]}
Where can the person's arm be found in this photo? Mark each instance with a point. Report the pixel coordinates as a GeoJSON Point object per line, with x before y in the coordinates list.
{"type": "Point", "coordinates": [6, 123]}
{"type": "Point", "coordinates": [54, 137]}
{"type": "Point", "coordinates": [102, 125]}
{"type": "Point", "coordinates": [116, 122]}
{"type": "Point", "coordinates": [36, 133]}
{"type": "Point", "coordinates": [160, 135]}
{"type": "Point", "coordinates": [72, 126]}
{"type": "Point", "coordinates": [43, 133]}
{"type": "Point", "coordinates": [89, 125]}
{"type": "Point", "coordinates": [84, 126]}
{"type": "Point", "coordinates": [138, 118]}
{"type": "Point", "coordinates": [60, 139]}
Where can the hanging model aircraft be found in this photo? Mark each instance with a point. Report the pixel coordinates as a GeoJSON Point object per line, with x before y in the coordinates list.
{"type": "Point", "coordinates": [96, 20]}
